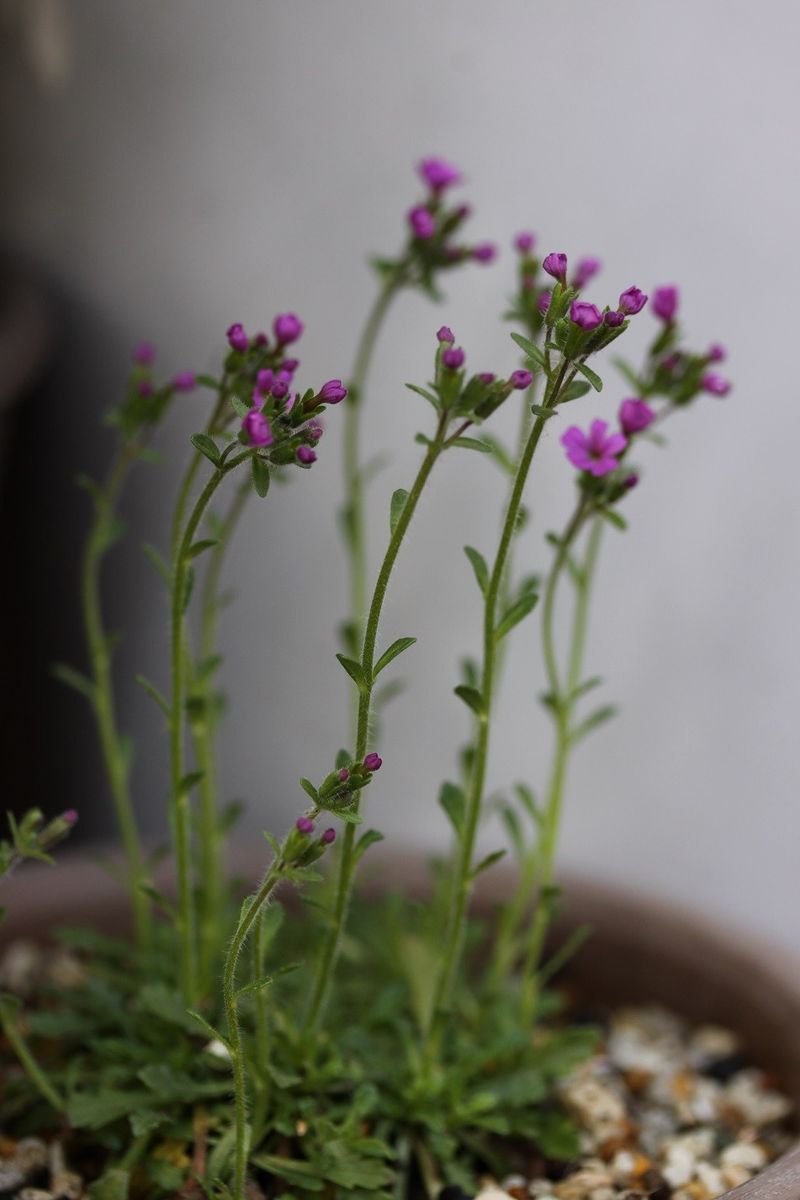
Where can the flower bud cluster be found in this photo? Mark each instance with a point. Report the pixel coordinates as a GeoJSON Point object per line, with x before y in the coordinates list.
{"type": "Point", "coordinates": [672, 371]}
{"type": "Point", "coordinates": [472, 396]}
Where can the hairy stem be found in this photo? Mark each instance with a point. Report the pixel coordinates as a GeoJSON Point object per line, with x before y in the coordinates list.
{"type": "Point", "coordinates": [8, 1021]}
{"type": "Point", "coordinates": [114, 758]}
{"type": "Point", "coordinates": [344, 886]}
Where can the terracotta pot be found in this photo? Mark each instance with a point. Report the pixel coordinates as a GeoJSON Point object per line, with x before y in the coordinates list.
{"type": "Point", "coordinates": [641, 951]}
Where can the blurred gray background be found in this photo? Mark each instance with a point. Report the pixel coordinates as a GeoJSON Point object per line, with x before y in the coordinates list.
{"type": "Point", "coordinates": [170, 167]}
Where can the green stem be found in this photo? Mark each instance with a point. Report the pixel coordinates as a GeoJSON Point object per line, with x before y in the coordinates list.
{"type": "Point", "coordinates": [203, 731]}
{"type": "Point", "coordinates": [353, 474]}
{"type": "Point", "coordinates": [114, 761]}
{"type": "Point", "coordinates": [179, 795]}
{"type": "Point", "coordinates": [563, 700]}
{"type": "Point", "coordinates": [26, 1058]}
{"type": "Point", "coordinates": [330, 951]}
{"type": "Point", "coordinates": [234, 1031]}
{"type": "Point", "coordinates": [462, 882]}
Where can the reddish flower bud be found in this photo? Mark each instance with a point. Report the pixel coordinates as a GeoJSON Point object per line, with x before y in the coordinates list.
{"type": "Point", "coordinates": [556, 265]}
{"type": "Point", "coordinates": [237, 338]}
{"type": "Point", "coordinates": [287, 328]}
{"type": "Point", "coordinates": [373, 762]}
{"type": "Point", "coordinates": [524, 242]}
{"type": "Point", "coordinates": [717, 385]}
{"type": "Point", "coordinates": [520, 379]}
{"type": "Point", "coordinates": [438, 174]}
{"type": "Point", "coordinates": [256, 427]}
{"type": "Point", "coordinates": [144, 354]}
{"type": "Point", "coordinates": [486, 252]}
{"type": "Point", "coordinates": [453, 357]}
{"type": "Point", "coordinates": [665, 302]}
{"type": "Point", "coordinates": [304, 824]}
{"type": "Point", "coordinates": [445, 334]}
{"type": "Point", "coordinates": [422, 222]}
{"type": "Point", "coordinates": [328, 837]}
{"type": "Point", "coordinates": [635, 415]}
{"type": "Point", "coordinates": [585, 316]}
{"type": "Point", "coordinates": [632, 301]}
{"type": "Point", "coordinates": [332, 392]}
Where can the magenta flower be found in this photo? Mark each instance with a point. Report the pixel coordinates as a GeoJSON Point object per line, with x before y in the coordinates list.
{"type": "Point", "coordinates": [328, 837]}
{"type": "Point", "coordinates": [256, 428]}
{"type": "Point", "coordinates": [717, 385]}
{"type": "Point", "coordinates": [373, 762]}
{"type": "Point", "coordinates": [525, 242]}
{"type": "Point", "coordinates": [287, 328]}
{"type": "Point", "coordinates": [453, 357]}
{"type": "Point", "coordinates": [332, 392]}
{"type": "Point", "coordinates": [261, 340]}
{"type": "Point", "coordinates": [344, 775]}
{"type": "Point", "coordinates": [486, 252]}
{"type": "Point", "coordinates": [584, 315]}
{"type": "Point", "coordinates": [665, 302]}
{"type": "Point", "coordinates": [306, 456]}
{"type": "Point", "coordinates": [635, 415]}
{"type": "Point", "coordinates": [70, 817]}
{"type": "Point", "coordinates": [613, 318]}
{"type": "Point", "coordinates": [289, 366]}
{"type": "Point", "coordinates": [486, 377]}
{"type": "Point", "coordinates": [279, 389]}
{"type": "Point", "coordinates": [556, 265]}
{"type": "Point", "coordinates": [438, 174]}
{"type": "Point", "coordinates": [144, 354]}
{"type": "Point", "coordinates": [586, 270]}
{"type": "Point", "coordinates": [543, 303]}
{"type": "Point", "coordinates": [185, 381]}
{"type": "Point", "coordinates": [716, 353]}
{"type": "Point", "coordinates": [237, 338]}
{"type": "Point", "coordinates": [264, 380]}
{"type": "Point", "coordinates": [596, 451]}
{"type": "Point", "coordinates": [422, 222]}
{"type": "Point", "coordinates": [632, 301]}
{"type": "Point", "coordinates": [314, 430]}
{"type": "Point", "coordinates": [520, 379]}
{"type": "Point", "coordinates": [144, 387]}
{"type": "Point", "coordinates": [445, 334]}
{"type": "Point", "coordinates": [630, 481]}
{"type": "Point", "coordinates": [304, 824]}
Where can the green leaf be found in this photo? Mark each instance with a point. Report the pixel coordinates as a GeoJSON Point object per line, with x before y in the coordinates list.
{"type": "Point", "coordinates": [500, 453]}
{"type": "Point", "coordinates": [519, 610]}
{"type": "Point", "coordinates": [613, 518]}
{"type": "Point", "coordinates": [74, 679]}
{"type": "Point", "coordinates": [398, 504]}
{"type": "Point", "coordinates": [368, 838]}
{"type": "Point", "coordinates": [163, 1002]}
{"type": "Point", "coordinates": [454, 803]}
{"type": "Point", "coordinates": [145, 1121]}
{"type": "Point", "coordinates": [575, 390]}
{"type": "Point", "coordinates": [628, 373]}
{"type": "Point", "coordinates": [598, 717]}
{"type": "Point", "coordinates": [510, 818]}
{"type": "Point", "coordinates": [188, 588]}
{"type": "Point", "coordinates": [207, 446]}
{"type": "Point", "coordinates": [154, 694]}
{"type": "Point", "coordinates": [487, 862]}
{"type": "Point", "coordinates": [158, 562]}
{"type": "Point", "coordinates": [588, 373]}
{"type": "Point", "coordinates": [397, 647]}
{"type": "Point", "coordinates": [294, 1171]}
{"type": "Point", "coordinates": [113, 1184]}
{"type": "Point", "coordinates": [240, 407]}
{"type": "Point", "coordinates": [472, 444]}
{"type": "Point", "coordinates": [479, 567]}
{"type": "Point", "coordinates": [201, 546]}
{"type": "Point", "coordinates": [588, 685]}
{"type": "Point", "coordinates": [309, 789]}
{"type": "Point", "coordinates": [472, 698]}
{"type": "Point", "coordinates": [539, 410]}
{"type": "Point", "coordinates": [426, 395]}
{"type": "Point", "coordinates": [189, 781]}
{"type": "Point", "coordinates": [260, 473]}
{"type": "Point", "coordinates": [529, 348]}
{"type": "Point", "coordinates": [343, 759]}
{"type": "Point", "coordinates": [528, 801]}
{"type": "Point", "coordinates": [101, 1106]}
{"type": "Point", "coordinates": [212, 1034]}
{"type": "Point", "coordinates": [355, 671]}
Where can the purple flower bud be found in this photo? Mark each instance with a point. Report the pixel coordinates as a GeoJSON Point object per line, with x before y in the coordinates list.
{"type": "Point", "coordinates": [423, 224]}
{"type": "Point", "coordinates": [528, 283]}
{"type": "Point", "coordinates": [630, 481]}
{"type": "Point", "coordinates": [144, 387]}
{"type": "Point", "coordinates": [586, 270]}
{"type": "Point", "coordinates": [486, 252]}
{"type": "Point", "coordinates": [521, 379]}
{"type": "Point", "coordinates": [632, 301]}
{"type": "Point", "coordinates": [332, 392]}
{"type": "Point", "coordinates": [256, 427]}
{"type": "Point", "coordinates": [524, 242]}
{"type": "Point", "coordinates": [635, 415]}
{"type": "Point", "coordinates": [556, 265]}
{"type": "Point", "coordinates": [237, 338]}
{"type": "Point", "coordinates": [144, 354]}
{"type": "Point", "coordinates": [445, 334]}
{"type": "Point", "coordinates": [717, 385]}
{"type": "Point", "coordinates": [585, 316]}
{"type": "Point", "coordinates": [716, 353]}
{"type": "Point", "coordinates": [453, 357]}
{"type": "Point", "coordinates": [70, 817]}
{"type": "Point", "coordinates": [264, 380]}
{"type": "Point", "coordinates": [665, 302]}
{"type": "Point", "coordinates": [261, 340]}
{"type": "Point", "coordinates": [304, 824]}
{"type": "Point", "coordinates": [287, 328]}
{"type": "Point", "coordinates": [279, 389]}
{"type": "Point", "coordinates": [306, 456]}
{"type": "Point", "coordinates": [373, 762]}
{"type": "Point", "coordinates": [543, 303]}
{"type": "Point", "coordinates": [185, 381]}
{"type": "Point", "coordinates": [290, 365]}
{"type": "Point", "coordinates": [670, 363]}
{"type": "Point", "coordinates": [438, 174]}
{"type": "Point", "coordinates": [486, 377]}
{"type": "Point", "coordinates": [344, 775]}
{"type": "Point", "coordinates": [328, 837]}
{"type": "Point", "coordinates": [314, 430]}
{"type": "Point", "coordinates": [613, 318]}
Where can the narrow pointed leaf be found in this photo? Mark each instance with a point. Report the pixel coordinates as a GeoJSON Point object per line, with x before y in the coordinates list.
{"type": "Point", "coordinates": [154, 694]}
{"type": "Point", "coordinates": [471, 697]}
{"type": "Point", "coordinates": [487, 862]}
{"type": "Point", "coordinates": [261, 477]}
{"type": "Point", "coordinates": [158, 562]}
{"type": "Point", "coordinates": [453, 801]}
{"type": "Point", "coordinates": [309, 789]}
{"type": "Point", "coordinates": [597, 718]}
{"type": "Point", "coordinates": [516, 613]}
{"type": "Point", "coordinates": [539, 410]}
{"type": "Point", "coordinates": [207, 446]}
{"type": "Point", "coordinates": [354, 670]}
{"type": "Point", "coordinates": [397, 647]}
{"type": "Point", "coordinates": [426, 395]}
{"type": "Point", "coordinates": [74, 679]}
{"type": "Point", "coordinates": [588, 373]}
{"type": "Point", "coordinates": [240, 407]}
{"type": "Point", "coordinates": [398, 504]}
{"type": "Point", "coordinates": [201, 546]}
{"type": "Point", "coordinates": [369, 838]}
{"type": "Point", "coordinates": [614, 518]}
{"type": "Point", "coordinates": [468, 443]}
{"type": "Point", "coordinates": [479, 567]}
{"type": "Point", "coordinates": [530, 348]}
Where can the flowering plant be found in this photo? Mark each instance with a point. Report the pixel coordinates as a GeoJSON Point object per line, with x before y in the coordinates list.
{"type": "Point", "coordinates": [436, 1069]}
